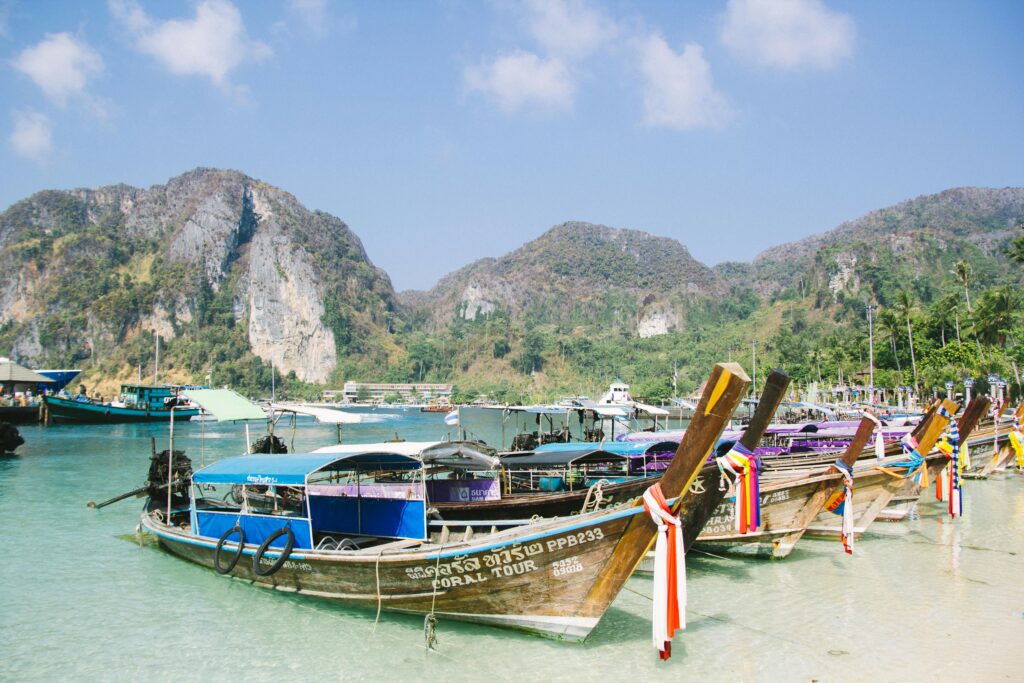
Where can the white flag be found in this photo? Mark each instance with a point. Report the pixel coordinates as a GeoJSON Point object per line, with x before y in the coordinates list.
{"type": "Point", "coordinates": [452, 418]}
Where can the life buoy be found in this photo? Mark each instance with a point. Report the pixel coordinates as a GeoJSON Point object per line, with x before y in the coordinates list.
{"type": "Point", "coordinates": [285, 552]}
{"type": "Point", "coordinates": [238, 553]}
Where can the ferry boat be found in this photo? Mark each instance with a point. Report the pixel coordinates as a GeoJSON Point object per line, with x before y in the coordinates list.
{"type": "Point", "coordinates": [136, 403]}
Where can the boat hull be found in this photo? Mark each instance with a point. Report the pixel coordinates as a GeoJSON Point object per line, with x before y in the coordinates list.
{"type": "Point", "coordinates": [65, 411]}
{"type": "Point", "coordinates": [787, 507]}
{"type": "Point", "coordinates": [538, 581]}
{"type": "Point", "coordinates": [19, 414]}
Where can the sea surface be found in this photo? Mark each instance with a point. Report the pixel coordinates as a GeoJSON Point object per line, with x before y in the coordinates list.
{"type": "Point", "coordinates": [81, 600]}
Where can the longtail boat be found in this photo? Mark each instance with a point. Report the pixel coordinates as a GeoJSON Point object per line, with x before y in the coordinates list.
{"type": "Point", "coordinates": [876, 482]}
{"type": "Point", "coordinates": [996, 445]}
{"type": "Point", "coordinates": [788, 505]}
{"type": "Point", "coordinates": [908, 496]}
{"type": "Point", "coordinates": [555, 577]}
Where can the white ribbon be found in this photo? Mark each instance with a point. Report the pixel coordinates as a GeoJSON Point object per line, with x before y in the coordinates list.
{"type": "Point", "coordinates": [665, 519]}
{"type": "Point", "coordinates": [879, 440]}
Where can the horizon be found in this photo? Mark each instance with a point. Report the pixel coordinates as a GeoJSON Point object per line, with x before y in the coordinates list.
{"type": "Point", "coordinates": [463, 131]}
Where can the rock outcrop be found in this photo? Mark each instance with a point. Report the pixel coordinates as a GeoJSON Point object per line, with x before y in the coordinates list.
{"type": "Point", "coordinates": [296, 279]}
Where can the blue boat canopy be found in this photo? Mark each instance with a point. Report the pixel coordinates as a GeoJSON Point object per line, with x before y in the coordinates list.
{"type": "Point", "coordinates": [293, 470]}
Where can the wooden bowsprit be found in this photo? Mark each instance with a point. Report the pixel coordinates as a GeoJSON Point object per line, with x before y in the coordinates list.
{"type": "Point", "coordinates": [722, 394]}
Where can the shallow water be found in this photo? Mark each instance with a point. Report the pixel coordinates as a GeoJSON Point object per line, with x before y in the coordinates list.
{"type": "Point", "coordinates": [79, 598]}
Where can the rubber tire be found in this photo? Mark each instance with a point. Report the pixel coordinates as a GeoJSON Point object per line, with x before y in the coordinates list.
{"type": "Point", "coordinates": [220, 546]}
{"type": "Point", "coordinates": [285, 552]}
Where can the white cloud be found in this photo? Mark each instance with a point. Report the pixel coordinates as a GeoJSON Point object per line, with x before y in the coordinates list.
{"type": "Point", "coordinates": [523, 81]}
{"type": "Point", "coordinates": [788, 34]}
{"type": "Point", "coordinates": [313, 14]}
{"type": "Point", "coordinates": [32, 137]}
{"type": "Point", "coordinates": [211, 44]}
{"type": "Point", "coordinates": [60, 65]}
{"type": "Point", "coordinates": [678, 89]}
{"type": "Point", "coordinates": [568, 28]}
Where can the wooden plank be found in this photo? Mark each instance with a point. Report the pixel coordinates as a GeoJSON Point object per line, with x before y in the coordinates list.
{"type": "Point", "coordinates": [860, 441]}
{"type": "Point", "coordinates": [722, 394]}
{"type": "Point", "coordinates": [976, 410]}
{"type": "Point", "coordinates": [771, 397]}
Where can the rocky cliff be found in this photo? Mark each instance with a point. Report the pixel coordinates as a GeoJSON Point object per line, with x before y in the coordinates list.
{"type": "Point", "coordinates": [85, 270]}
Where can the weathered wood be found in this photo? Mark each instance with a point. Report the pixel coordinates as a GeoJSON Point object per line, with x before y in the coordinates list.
{"type": "Point", "coordinates": [972, 415]}
{"type": "Point", "coordinates": [771, 397]}
{"type": "Point", "coordinates": [860, 441]}
{"type": "Point", "coordinates": [722, 394]}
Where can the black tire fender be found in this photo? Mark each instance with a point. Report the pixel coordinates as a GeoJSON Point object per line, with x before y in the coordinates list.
{"type": "Point", "coordinates": [285, 552]}
{"type": "Point", "coordinates": [220, 546]}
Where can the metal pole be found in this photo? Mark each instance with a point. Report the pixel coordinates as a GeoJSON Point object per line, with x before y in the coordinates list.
{"type": "Point", "coordinates": [753, 363]}
{"type": "Point", "coordinates": [871, 352]}
{"type": "Point", "coordinates": [170, 467]}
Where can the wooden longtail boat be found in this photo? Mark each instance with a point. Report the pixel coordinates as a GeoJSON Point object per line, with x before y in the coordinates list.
{"type": "Point", "coordinates": [788, 505]}
{"type": "Point", "coordinates": [990, 448]}
{"type": "Point", "coordinates": [556, 577]}
{"type": "Point", "coordinates": [908, 496]}
{"type": "Point", "coordinates": [875, 488]}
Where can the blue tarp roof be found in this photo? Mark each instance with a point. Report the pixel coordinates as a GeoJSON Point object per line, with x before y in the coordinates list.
{"type": "Point", "coordinates": [616, 447]}
{"type": "Point", "coordinates": [292, 470]}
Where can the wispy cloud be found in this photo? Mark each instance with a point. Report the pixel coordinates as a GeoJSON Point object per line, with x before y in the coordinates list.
{"type": "Point", "coordinates": [523, 81]}
{"type": "Point", "coordinates": [788, 34]}
{"type": "Point", "coordinates": [679, 92]}
{"type": "Point", "coordinates": [312, 14]}
{"type": "Point", "coordinates": [61, 65]}
{"type": "Point", "coordinates": [568, 28]}
{"type": "Point", "coordinates": [567, 33]}
{"type": "Point", "coordinates": [212, 44]}
{"type": "Point", "coordinates": [32, 137]}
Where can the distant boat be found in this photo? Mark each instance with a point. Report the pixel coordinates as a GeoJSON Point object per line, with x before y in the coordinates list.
{"type": "Point", "coordinates": [138, 403]}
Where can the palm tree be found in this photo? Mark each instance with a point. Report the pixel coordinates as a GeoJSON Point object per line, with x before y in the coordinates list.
{"type": "Point", "coordinates": [962, 270]}
{"type": "Point", "coordinates": [891, 324]}
{"type": "Point", "coordinates": [997, 312]}
{"type": "Point", "coordinates": [905, 307]}
{"type": "Point", "coordinates": [1016, 250]}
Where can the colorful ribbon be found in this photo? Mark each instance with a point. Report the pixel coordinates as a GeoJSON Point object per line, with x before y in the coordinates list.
{"type": "Point", "coordinates": [953, 483]}
{"type": "Point", "coordinates": [914, 464]}
{"type": "Point", "coordinates": [841, 503]}
{"type": "Point", "coordinates": [743, 465]}
{"type": "Point", "coordinates": [669, 571]}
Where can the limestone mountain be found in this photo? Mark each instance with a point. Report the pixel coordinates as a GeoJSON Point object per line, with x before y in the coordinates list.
{"type": "Point", "coordinates": [913, 244]}
{"type": "Point", "coordinates": [590, 274]}
{"type": "Point", "coordinates": [218, 264]}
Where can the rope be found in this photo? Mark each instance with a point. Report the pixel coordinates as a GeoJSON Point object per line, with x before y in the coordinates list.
{"type": "Point", "coordinates": [430, 620]}
{"type": "Point", "coordinates": [376, 571]}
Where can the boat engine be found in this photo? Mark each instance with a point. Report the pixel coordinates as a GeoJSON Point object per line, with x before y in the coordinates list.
{"type": "Point", "coordinates": [9, 437]}
{"type": "Point", "coordinates": [181, 475]}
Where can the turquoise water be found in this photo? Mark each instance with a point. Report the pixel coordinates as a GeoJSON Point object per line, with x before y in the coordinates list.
{"type": "Point", "coordinates": [80, 599]}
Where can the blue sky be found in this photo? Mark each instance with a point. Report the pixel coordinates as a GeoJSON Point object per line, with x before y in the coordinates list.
{"type": "Point", "coordinates": [446, 131]}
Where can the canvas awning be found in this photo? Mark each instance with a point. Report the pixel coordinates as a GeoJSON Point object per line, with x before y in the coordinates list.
{"type": "Point", "coordinates": [457, 454]}
{"type": "Point", "coordinates": [225, 405]}
{"type": "Point", "coordinates": [12, 373]}
{"type": "Point", "coordinates": [292, 470]}
{"type": "Point", "coordinates": [325, 415]}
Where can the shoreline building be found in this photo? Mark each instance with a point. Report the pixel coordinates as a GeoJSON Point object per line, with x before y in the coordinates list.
{"type": "Point", "coordinates": [377, 392]}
